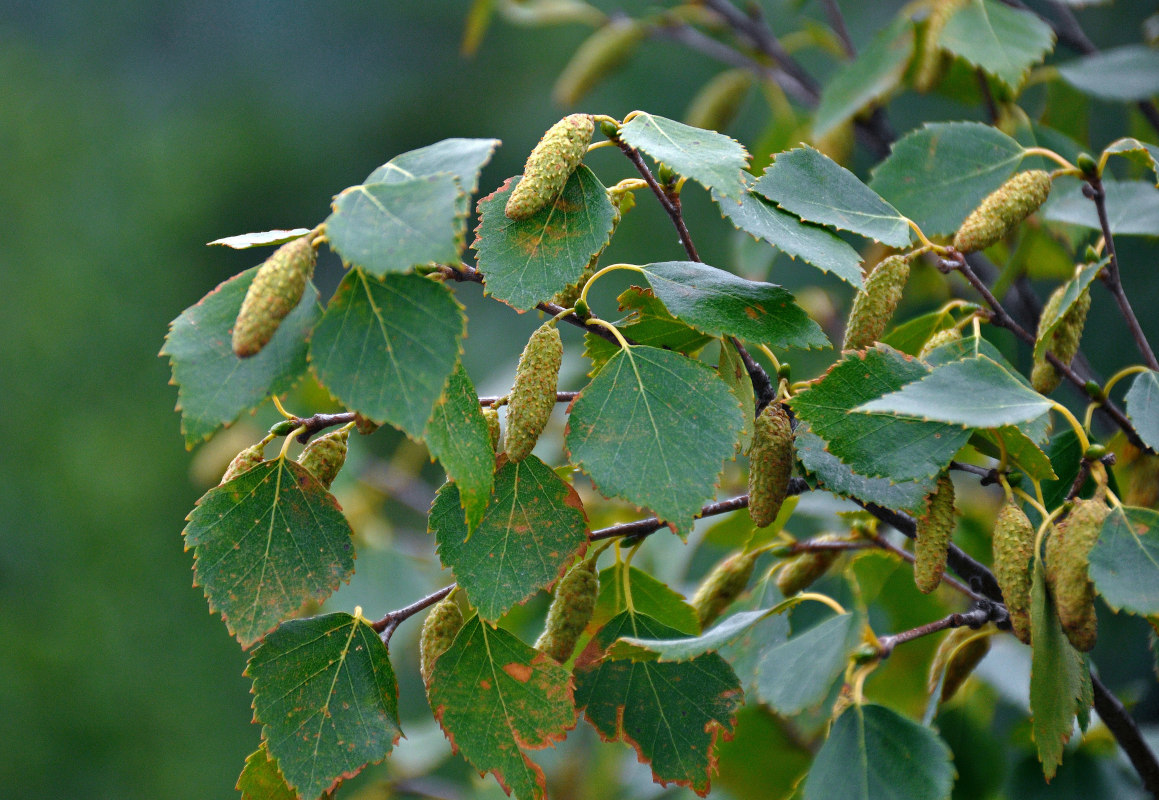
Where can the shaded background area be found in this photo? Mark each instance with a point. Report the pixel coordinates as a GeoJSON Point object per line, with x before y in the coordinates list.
{"type": "Point", "coordinates": [130, 134]}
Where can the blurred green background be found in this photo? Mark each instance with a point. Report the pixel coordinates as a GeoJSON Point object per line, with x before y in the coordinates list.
{"type": "Point", "coordinates": [131, 133]}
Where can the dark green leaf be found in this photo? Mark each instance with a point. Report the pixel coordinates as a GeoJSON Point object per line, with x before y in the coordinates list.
{"type": "Point", "coordinates": [813, 244]}
{"type": "Point", "coordinates": [654, 428]}
{"type": "Point", "coordinates": [1132, 206]}
{"type": "Point", "coordinates": [835, 476]}
{"type": "Point", "coordinates": [671, 713]}
{"type": "Point", "coordinates": [394, 227]}
{"type": "Point", "coordinates": [1133, 69]}
{"type": "Point", "coordinates": [1005, 42]}
{"type": "Point", "coordinates": [262, 780]}
{"type": "Point", "coordinates": [649, 323]}
{"type": "Point", "coordinates": [531, 531]}
{"type": "Point", "coordinates": [939, 173]}
{"type": "Point", "coordinates": [686, 648]}
{"type": "Point", "coordinates": [386, 347]}
{"type": "Point", "coordinates": [213, 385]}
{"type": "Point", "coordinates": [1065, 454]}
{"type": "Point", "coordinates": [1143, 407]}
{"type": "Point", "coordinates": [265, 543]}
{"type": "Point", "coordinates": [525, 262]}
{"type": "Point", "coordinates": [711, 159]}
{"type": "Point", "coordinates": [327, 697]}
{"type": "Point", "coordinates": [719, 303]}
{"type": "Point", "coordinates": [649, 597]}
{"type": "Point", "coordinates": [1125, 560]}
{"type": "Point", "coordinates": [911, 336]}
{"type": "Point", "coordinates": [972, 392]}
{"type": "Point", "coordinates": [463, 158]}
{"type": "Point", "coordinates": [798, 673]}
{"type": "Point", "coordinates": [1056, 677]}
{"type": "Point", "coordinates": [873, 753]}
{"type": "Point", "coordinates": [1074, 289]}
{"type": "Point", "coordinates": [818, 189]}
{"type": "Point", "coordinates": [245, 241]}
{"type": "Point", "coordinates": [1021, 451]}
{"type": "Point", "coordinates": [877, 446]}
{"type": "Point", "coordinates": [732, 371]}
{"type": "Point", "coordinates": [1140, 152]}
{"type": "Point", "coordinates": [457, 436]}
{"type": "Point", "coordinates": [875, 73]}
{"type": "Point", "coordinates": [495, 697]}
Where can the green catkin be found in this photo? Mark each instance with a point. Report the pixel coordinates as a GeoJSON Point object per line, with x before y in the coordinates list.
{"type": "Point", "coordinates": [324, 456]}
{"type": "Point", "coordinates": [600, 54]}
{"type": "Point", "coordinates": [801, 571]}
{"type": "Point", "coordinates": [571, 610]}
{"type": "Point", "coordinates": [722, 586]}
{"type": "Point", "coordinates": [935, 528]}
{"type": "Point", "coordinates": [932, 61]}
{"type": "Point", "coordinates": [874, 305]}
{"type": "Point", "coordinates": [533, 394]}
{"type": "Point", "coordinates": [1063, 340]}
{"type": "Point", "coordinates": [959, 652]}
{"type": "Point", "coordinates": [550, 164]}
{"type": "Point", "coordinates": [719, 101]}
{"type": "Point", "coordinates": [1013, 543]}
{"type": "Point", "coordinates": [439, 629]}
{"type": "Point", "coordinates": [491, 417]}
{"type": "Point", "coordinates": [770, 464]}
{"type": "Point", "coordinates": [938, 339]}
{"type": "Point", "coordinates": [276, 290]}
{"type": "Point", "coordinates": [243, 462]}
{"type": "Point", "coordinates": [1003, 210]}
{"type": "Point", "coordinates": [1068, 552]}
{"type": "Point", "coordinates": [365, 425]}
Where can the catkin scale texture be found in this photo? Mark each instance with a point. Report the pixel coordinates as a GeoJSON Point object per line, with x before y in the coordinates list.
{"type": "Point", "coordinates": [722, 586]}
{"type": "Point", "coordinates": [324, 456]}
{"type": "Point", "coordinates": [770, 464]}
{"type": "Point", "coordinates": [1003, 210]}
{"type": "Point", "coordinates": [1068, 552]}
{"type": "Point", "coordinates": [938, 339]}
{"type": "Point", "coordinates": [959, 652]}
{"type": "Point", "coordinates": [439, 629]}
{"type": "Point", "coordinates": [1064, 339]}
{"type": "Point", "coordinates": [571, 610]}
{"type": "Point", "coordinates": [801, 571]}
{"type": "Point", "coordinates": [874, 305]}
{"type": "Point", "coordinates": [243, 462]}
{"type": "Point", "coordinates": [276, 290]}
{"type": "Point", "coordinates": [1013, 544]}
{"type": "Point", "coordinates": [550, 164]}
{"type": "Point", "coordinates": [935, 528]}
{"type": "Point", "coordinates": [533, 394]}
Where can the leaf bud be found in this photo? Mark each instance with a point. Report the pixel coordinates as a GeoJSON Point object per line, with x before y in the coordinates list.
{"type": "Point", "coordinates": [1095, 452]}
{"type": "Point", "coordinates": [722, 586]}
{"type": "Point", "coordinates": [581, 308]}
{"type": "Point", "coordinates": [865, 654]}
{"type": "Point", "coordinates": [601, 54]}
{"type": "Point", "coordinates": [1090, 255]}
{"type": "Point", "coordinates": [571, 610]}
{"type": "Point", "coordinates": [324, 456]}
{"type": "Point", "coordinates": [665, 175]}
{"type": "Point", "coordinates": [940, 338]}
{"type": "Point", "coordinates": [935, 529]}
{"type": "Point", "coordinates": [959, 652]}
{"type": "Point", "coordinates": [1087, 163]}
{"type": "Point", "coordinates": [785, 371]}
{"type": "Point", "coordinates": [1063, 340]}
{"type": "Point", "coordinates": [1013, 543]}
{"type": "Point", "coordinates": [285, 427]}
{"type": "Point", "coordinates": [533, 394]}
{"type": "Point", "coordinates": [770, 464]}
{"type": "Point", "coordinates": [875, 303]}
{"type": "Point", "coordinates": [550, 164]}
{"type": "Point", "coordinates": [801, 571]}
{"type": "Point", "coordinates": [276, 290]}
{"type": "Point", "coordinates": [1003, 210]}
{"type": "Point", "coordinates": [610, 129]}
{"type": "Point", "coordinates": [439, 629]}
{"type": "Point", "coordinates": [243, 462]}
{"type": "Point", "coordinates": [1068, 552]}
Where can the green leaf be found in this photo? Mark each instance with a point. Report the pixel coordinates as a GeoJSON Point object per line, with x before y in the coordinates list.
{"type": "Point", "coordinates": [265, 238]}
{"type": "Point", "coordinates": [1057, 676]}
{"type": "Point", "coordinates": [1004, 42]}
{"type": "Point", "coordinates": [1143, 407]}
{"type": "Point", "coordinates": [1074, 289]}
{"type": "Point", "coordinates": [671, 713]}
{"type": "Point", "coordinates": [1132, 206]}
{"type": "Point", "coordinates": [532, 530]}
{"type": "Point", "coordinates": [457, 436]}
{"type": "Point", "coordinates": [686, 648]}
{"type": "Point", "coordinates": [733, 371]}
{"type": "Point", "coordinates": [525, 262]}
{"type": "Point", "coordinates": [939, 173]}
{"type": "Point", "coordinates": [1134, 67]}
{"type": "Point", "coordinates": [213, 385]}
{"type": "Point", "coordinates": [877, 446]}
{"type": "Point", "coordinates": [463, 158]}
{"type": "Point", "coordinates": [649, 323]}
{"type": "Point", "coordinates": [327, 698]}
{"type": "Point", "coordinates": [654, 428]}
{"type": "Point", "coordinates": [798, 673]}
{"type": "Point", "coordinates": [719, 303]}
{"type": "Point", "coordinates": [394, 227]}
{"type": "Point", "coordinates": [265, 543]}
{"type": "Point", "coordinates": [386, 347]}
{"type": "Point", "coordinates": [649, 597]}
{"type": "Point", "coordinates": [911, 336]}
{"type": "Point", "coordinates": [1020, 450]}
{"type": "Point", "coordinates": [1125, 560]}
{"type": "Point", "coordinates": [712, 159]}
{"type": "Point", "coordinates": [875, 73]}
{"type": "Point", "coordinates": [495, 697]}
{"type": "Point", "coordinates": [813, 244]}
{"type": "Point", "coordinates": [818, 189]}
{"type": "Point", "coordinates": [1065, 453]}
{"type": "Point", "coordinates": [1140, 152]}
{"type": "Point", "coordinates": [836, 476]}
{"type": "Point", "coordinates": [972, 392]}
{"type": "Point", "coordinates": [873, 753]}
{"type": "Point", "coordinates": [262, 780]}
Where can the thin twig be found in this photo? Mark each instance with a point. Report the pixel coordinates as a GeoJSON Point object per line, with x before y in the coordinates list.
{"type": "Point", "coordinates": [1127, 734]}
{"type": "Point", "coordinates": [320, 422]}
{"type": "Point", "coordinates": [907, 556]}
{"type": "Point", "coordinates": [975, 618]}
{"type": "Point", "coordinates": [670, 208]}
{"type": "Point", "coordinates": [988, 476]}
{"type": "Point", "coordinates": [560, 397]}
{"type": "Point", "coordinates": [386, 626]}
{"type": "Point", "coordinates": [837, 23]}
{"type": "Point", "coordinates": [762, 37]}
{"type": "Point", "coordinates": [987, 97]}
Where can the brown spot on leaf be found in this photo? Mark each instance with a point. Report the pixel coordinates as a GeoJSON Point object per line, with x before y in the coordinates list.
{"type": "Point", "coordinates": [520, 672]}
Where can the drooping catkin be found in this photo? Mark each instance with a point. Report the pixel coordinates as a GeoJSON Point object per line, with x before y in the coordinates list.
{"type": "Point", "coordinates": [935, 529]}
{"type": "Point", "coordinates": [718, 101]}
{"type": "Point", "coordinates": [1013, 543]}
{"type": "Point", "coordinates": [1063, 340]}
{"type": "Point", "coordinates": [1068, 552]}
{"type": "Point", "coordinates": [439, 629]}
{"type": "Point", "coordinates": [491, 417]}
{"type": "Point", "coordinates": [276, 290]}
{"type": "Point", "coordinates": [959, 652]}
{"type": "Point", "coordinates": [571, 610]}
{"type": "Point", "coordinates": [533, 394]}
{"type": "Point", "coordinates": [932, 61]}
{"type": "Point", "coordinates": [770, 464]}
{"type": "Point", "coordinates": [550, 164]}
{"type": "Point", "coordinates": [722, 586]}
{"type": "Point", "coordinates": [938, 339]}
{"type": "Point", "coordinates": [324, 456]}
{"type": "Point", "coordinates": [801, 571]}
{"type": "Point", "coordinates": [1003, 210]}
{"type": "Point", "coordinates": [600, 54]}
{"type": "Point", "coordinates": [243, 462]}
{"type": "Point", "coordinates": [875, 303]}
